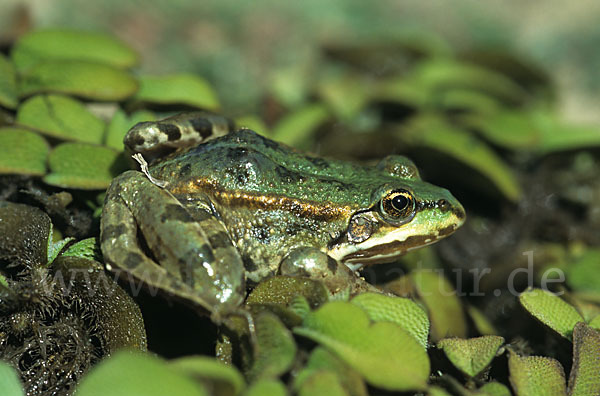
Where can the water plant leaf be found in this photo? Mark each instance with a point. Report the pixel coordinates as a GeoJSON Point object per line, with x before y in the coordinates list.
{"type": "Point", "coordinates": [402, 311]}
{"type": "Point", "coordinates": [322, 382]}
{"type": "Point", "coordinates": [222, 379]}
{"type": "Point", "coordinates": [88, 248]}
{"type": "Point", "coordinates": [22, 152]}
{"type": "Point", "coordinates": [584, 379]}
{"type": "Point", "coordinates": [8, 83]}
{"type": "Point", "coordinates": [445, 310]}
{"type": "Point", "coordinates": [536, 376]}
{"type": "Point", "coordinates": [83, 166]}
{"type": "Point", "coordinates": [276, 348]}
{"type": "Point", "coordinates": [40, 45]}
{"type": "Point", "coordinates": [551, 310]}
{"type": "Point", "coordinates": [9, 381]}
{"type": "Point", "coordinates": [386, 355]}
{"type": "Point", "coordinates": [182, 89]}
{"type": "Point", "coordinates": [266, 386]}
{"type": "Point", "coordinates": [471, 355]}
{"type": "Point", "coordinates": [583, 274]}
{"type": "Point", "coordinates": [79, 78]}
{"type": "Point", "coordinates": [321, 359]}
{"type": "Point", "coordinates": [433, 132]}
{"type": "Point", "coordinates": [126, 374]}
{"type": "Point", "coordinates": [298, 126]}
{"type": "Point", "coordinates": [61, 117]}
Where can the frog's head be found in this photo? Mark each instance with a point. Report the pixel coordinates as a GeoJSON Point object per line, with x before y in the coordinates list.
{"type": "Point", "coordinates": [404, 213]}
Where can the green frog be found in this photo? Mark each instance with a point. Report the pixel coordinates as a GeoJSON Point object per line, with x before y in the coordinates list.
{"type": "Point", "coordinates": [228, 207]}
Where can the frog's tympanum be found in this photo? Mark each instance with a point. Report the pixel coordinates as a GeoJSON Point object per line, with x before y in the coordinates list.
{"type": "Point", "coordinates": [235, 207]}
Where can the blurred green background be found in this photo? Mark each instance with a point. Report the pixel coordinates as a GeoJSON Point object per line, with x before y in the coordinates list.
{"type": "Point", "coordinates": [242, 47]}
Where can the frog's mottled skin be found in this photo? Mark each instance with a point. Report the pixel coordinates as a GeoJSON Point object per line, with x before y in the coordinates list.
{"type": "Point", "coordinates": [237, 205]}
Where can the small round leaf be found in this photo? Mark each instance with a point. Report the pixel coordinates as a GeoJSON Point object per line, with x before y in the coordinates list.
{"type": "Point", "coordinates": [184, 89]}
{"type": "Point", "coordinates": [84, 166]}
{"type": "Point", "coordinates": [61, 117]}
{"type": "Point", "coordinates": [22, 152]}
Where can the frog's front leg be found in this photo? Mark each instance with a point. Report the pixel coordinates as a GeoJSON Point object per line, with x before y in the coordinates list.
{"type": "Point", "coordinates": [193, 257]}
{"type": "Point", "coordinates": [312, 263]}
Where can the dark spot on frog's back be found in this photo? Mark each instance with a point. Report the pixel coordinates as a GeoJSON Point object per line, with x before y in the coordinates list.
{"type": "Point", "coordinates": [176, 212]}
{"type": "Point", "coordinates": [113, 231]}
{"type": "Point", "coordinates": [132, 260]}
{"type": "Point", "coordinates": [185, 170]}
{"type": "Point", "coordinates": [172, 131]}
{"type": "Point", "coordinates": [202, 126]}
{"type": "Point", "coordinates": [318, 162]}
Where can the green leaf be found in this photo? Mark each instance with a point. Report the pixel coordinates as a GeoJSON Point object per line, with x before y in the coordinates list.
{"type": "Point", "coordinates": [83, 166]}
{"type": "Point", "coordinates": [346, 95]}
{"type": "Point", "coordinates": [445, 310]}
{"type": "Point", "coordinates": [9, 381]}
{"type": "Point", "coordinates": [584, 379]}
{"type": "Point", "coordinates": [551, 310]}
{"type": "Point", "coordinates": [387, 356]}
{"type": "Point", "coordinates": [61, 117]}
{"type": "Point", "coordinates": [276, 348]}
{"type": "Point", "coordinates": [183, 89]}
{"type": "Point", "coordinates": [595, 323]}
{"type": "Point", "coordinates": [54, 248]}
{"type": "Point", "coordinates": [401, 311]}
{"type": "Point", "coordinates": [322, 383]}
{"type": "Point", "coordinates": [299, 126]}
{"type": "Point", "coordinates": [433, 132]}
{"type": "Point", "coordinates": [80, 78]}
{"type": "Point", "coordinates": [583, 275]}
{"type": "Point", "coordinates": [480, 321]}
{"type": "Point", "coordinates": [536, 376]}
{"type": "Point", "coordinates": [511, 129]}
{"type": "Point", "coordinates": [559, 136]}
{"type": "Point", "coordinates": [266, 387]}
{"type": "Point", "coordinates": [495, 389]}
{"type": "Point", "coordinates": [222, 379]}
{"type": "Point", "coordinates": [254, 123]}
{"type": "Point", "coordinates": [41, 45]}
{"type": "Point", "coordinates": [471, 355]}
{"type": "Point", "coordinates": [8, 83]}
{"type": "Point", "coordinates": [127, 374]}
{"type": "Point", "coordinates": [321, 359]}
{"type": "Point", "coordinates": [22, 152]}
{"type": "Point", "coordinates": [88, 248]}
{"type": "Point", "coordinates": [121, 123]}
{"type": "Point", "coordinates": [438, 74]}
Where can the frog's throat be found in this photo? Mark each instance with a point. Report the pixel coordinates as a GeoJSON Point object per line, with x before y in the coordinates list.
{"type": "Point", "coordinates": [321, 211]}
{"type": "Point", "coordinates": [394, 243]}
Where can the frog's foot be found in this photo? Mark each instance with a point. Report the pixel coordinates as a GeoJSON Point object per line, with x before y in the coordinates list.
{"type": "Point", "coordinates": [191, 257]}
{"type": "Point", "coordinates": [313, 263]}
{"type": "Point", "coordinates": [139, 158]}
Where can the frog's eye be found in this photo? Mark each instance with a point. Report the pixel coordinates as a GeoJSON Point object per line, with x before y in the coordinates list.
{"type": "Point", "coordinates": [398, 206]}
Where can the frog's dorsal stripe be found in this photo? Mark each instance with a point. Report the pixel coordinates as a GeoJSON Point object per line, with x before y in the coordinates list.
{"type": "Point", "coordinates": [321, 211]}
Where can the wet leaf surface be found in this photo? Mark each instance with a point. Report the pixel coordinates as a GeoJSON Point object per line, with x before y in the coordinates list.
{"type": "Point", "coordinates": [551, 310]}
{"type": "Point", "coordinates": [182, 89]}
{"type": "Point", "coordinates": [40, 45]}
{"type": "Point", "coordinates": [61, 117]}
{"type": "Point", "coordinates": [22, 152]}
{"type": "Point", "coordinates": [382, 352]}
{"type": "Point", "coordinates": [85, 79]}
{"type": "Point", "coordinates": [83, 166]}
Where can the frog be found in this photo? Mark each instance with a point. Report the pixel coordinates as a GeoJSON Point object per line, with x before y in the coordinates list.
{"type": "Point", "coordinates": [216, 209]}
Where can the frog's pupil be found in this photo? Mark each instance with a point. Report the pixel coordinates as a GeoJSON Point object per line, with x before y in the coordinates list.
{"type": "Point", "coordinates": [400, 202]}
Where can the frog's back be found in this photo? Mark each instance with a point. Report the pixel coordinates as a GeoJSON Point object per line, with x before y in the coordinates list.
{"type": "Point", "coordinates": [244, 161]}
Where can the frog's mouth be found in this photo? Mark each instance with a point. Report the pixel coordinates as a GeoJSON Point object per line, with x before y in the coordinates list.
{"type": "Point", "coordinates": [389, 242]}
